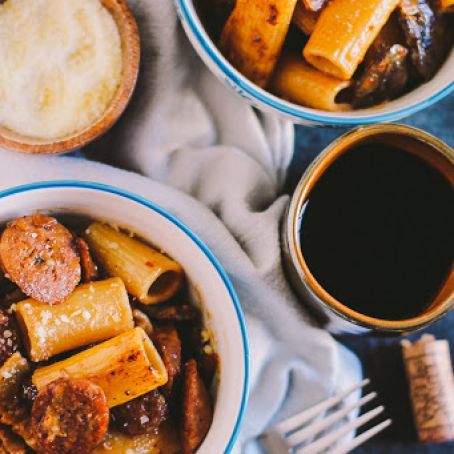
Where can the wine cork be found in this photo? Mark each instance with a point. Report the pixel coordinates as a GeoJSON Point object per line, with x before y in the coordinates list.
{"type": "Point", "coordinates": [430, 376]}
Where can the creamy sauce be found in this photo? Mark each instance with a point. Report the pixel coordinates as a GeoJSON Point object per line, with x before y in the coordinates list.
{"type": "Point", "coordinates": [60, 65]}
{"type": "Point", "coordinates": [167, 441]}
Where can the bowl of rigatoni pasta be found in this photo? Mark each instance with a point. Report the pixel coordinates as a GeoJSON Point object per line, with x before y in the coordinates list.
{"type": "Point", "coordinates": [119, 330]}
{"type": "Point", "coordinates": [327, 62]}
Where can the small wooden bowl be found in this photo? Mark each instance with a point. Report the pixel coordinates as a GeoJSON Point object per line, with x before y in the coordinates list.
{"type": "Point", "coordinates": [130, 44]}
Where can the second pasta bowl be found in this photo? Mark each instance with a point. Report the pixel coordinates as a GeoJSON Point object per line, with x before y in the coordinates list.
{"type": "Point", "coordinates": [154, 335]}
{"type": "Point", "coordinates": [241, 51]}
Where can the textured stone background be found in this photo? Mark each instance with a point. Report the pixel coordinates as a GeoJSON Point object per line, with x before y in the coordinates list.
{"type": "Point", "coordinates": [380, 356]}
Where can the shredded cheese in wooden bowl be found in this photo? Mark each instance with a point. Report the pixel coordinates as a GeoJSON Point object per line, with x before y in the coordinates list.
{"type": "Point", "coordinates": [61, 65]}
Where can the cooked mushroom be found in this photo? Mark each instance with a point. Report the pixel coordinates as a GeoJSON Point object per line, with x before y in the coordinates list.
{"type": "Point", "coordinates": [423, 34]}
{"type": "Point", "coordinates": [169, 312]}
{"type": "Point", "coordinates": [382, 79]}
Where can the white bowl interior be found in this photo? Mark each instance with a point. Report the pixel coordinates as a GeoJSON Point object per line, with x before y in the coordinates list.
{"type": "Point", "coordinates": [422, 96]}
{"type": "Point", "coordinates": [218, 308]}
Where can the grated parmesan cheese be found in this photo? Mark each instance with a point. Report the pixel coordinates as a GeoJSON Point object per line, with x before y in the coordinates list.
{"type": "Point", "coordinates": [60, 66]}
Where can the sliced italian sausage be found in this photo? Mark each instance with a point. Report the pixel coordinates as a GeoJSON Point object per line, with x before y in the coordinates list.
{"type": "Point", "coordinates": [10, 443]}
{"type": "Point", "coordinates": [197, 409]}
{"type": "Point", "coordinates": [172, 312]}
{"type": "Point", "coordinates": [141, 415]}
{"type": "Point", "coordinates": [87, 264]}
{"type": "Point", "coordinates": [39, 255]}
{"type": "Point", "coordinates": [168, 344]}
{"type": "Point", "coordinates": [208, 365]}
{"type": "Point", "coordinates": [8, 337]}
{"type": "Point", "coordinates": [70, 417]}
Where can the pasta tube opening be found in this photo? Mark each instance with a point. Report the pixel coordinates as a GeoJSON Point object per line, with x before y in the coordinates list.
{"type": "Point", "coordinates": [343, 33]}
{"type": "Point", "coordinates": [150, 276]}
{"type": "Point", "coordinates": [163, 287]}
{"type": "Point", "coordinates": [326, 66]}
{"type": "Point", "coordinates": [298, 82]}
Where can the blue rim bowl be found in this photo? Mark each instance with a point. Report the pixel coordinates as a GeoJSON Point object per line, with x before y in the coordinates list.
{"type": "Point", "coordinates": [418, 99]}
{"type": "Point", "coordinates": [76, 184]}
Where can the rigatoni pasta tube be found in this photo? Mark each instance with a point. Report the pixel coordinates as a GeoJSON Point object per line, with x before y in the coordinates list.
{"type": "Point", "coordinates": [298, 82]}
{"type": "Point", "coordinates": [253, 36]}
{"type": "Point", "coordinates": [446, 6]}
{"type": "Point", "coordinates": [125, 367]}
{"type": "Point", "coordinates": [150, 276]}
{"type": "Point", "coordinates": [92, 313]}
{"type": "Point", "coordinates": [305, 19]}
{"type": "Point", "coordinates": [343, 33]}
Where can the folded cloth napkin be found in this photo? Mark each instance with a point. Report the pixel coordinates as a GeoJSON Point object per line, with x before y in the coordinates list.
{"type": "Point", "coordinates": [219, 166]}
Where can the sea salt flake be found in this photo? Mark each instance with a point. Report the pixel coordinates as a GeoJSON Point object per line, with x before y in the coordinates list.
{"type": "Point", "coordinates": [45, 317]}
{"type": "Point", "coordinates": [144, 419]}
{"type": "Point", "coordinates": [41, 334]}
{"type": "Point", "coordinates": [6, 374]}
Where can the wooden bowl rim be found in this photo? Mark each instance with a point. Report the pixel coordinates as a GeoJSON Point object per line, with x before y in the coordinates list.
{"type": "Point", "coordinates": [130, 47]}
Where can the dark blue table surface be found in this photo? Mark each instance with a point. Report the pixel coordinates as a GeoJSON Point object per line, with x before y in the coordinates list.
{"type": "Point", "coordinates": [381, 357]}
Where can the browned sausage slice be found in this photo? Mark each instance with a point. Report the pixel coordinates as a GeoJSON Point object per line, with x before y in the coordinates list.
{"type": "Point", "coordinates": [70, 417]}
{"type": "Point", "coordinates": [8, 337]}
{"type": "Point", "coordinates": [88, 266]}
{"type": "Point", "coordinates": [141, 415]}
{"type": "Point", "coordinates": [197, 409]}
{"type": "Point", "coordinates": [208, 365]}
{"type": "Point", "coordinates": [172, 312]}
{"type": "Point", "coordinates": [169, 346]}
{"type": "Point", "coordinates": [40, 256]}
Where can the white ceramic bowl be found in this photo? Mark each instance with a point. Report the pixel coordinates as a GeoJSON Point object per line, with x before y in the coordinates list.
{"type": "Point", "coordinates": [219, 303]}
{"type": "Point", "coordinates": [423, 96]}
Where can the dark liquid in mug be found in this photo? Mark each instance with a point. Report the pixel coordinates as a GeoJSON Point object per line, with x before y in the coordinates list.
{"type": "Point", "coordinates": [377, 231]}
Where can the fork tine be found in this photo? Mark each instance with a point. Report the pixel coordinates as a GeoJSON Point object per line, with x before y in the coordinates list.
{"type": "Point", "coordinates": [313, 429]}
{"type": "Point", "coordinates": [330, 438]}
{"type": "Point", "coordinates": [362, 438]}
{"type": "Point", "coordinates": [298, 420]}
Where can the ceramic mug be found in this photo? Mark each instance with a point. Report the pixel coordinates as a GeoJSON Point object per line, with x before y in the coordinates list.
{"type": "Point", "coordinates": [334, 314]}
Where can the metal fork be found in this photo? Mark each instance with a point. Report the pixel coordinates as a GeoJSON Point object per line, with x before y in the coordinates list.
{"type": "Point", "coordinates": [296, 434]}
